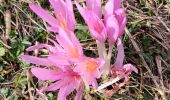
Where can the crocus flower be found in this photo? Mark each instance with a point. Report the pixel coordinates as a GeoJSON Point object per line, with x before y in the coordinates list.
{"type": "Point", "coordinates": [64, 79]}
{"type": "Point", "coordinates": [67, 51]}
{"type": "Point", "coordinates": [92, 19]}
{"type": "Point", "coordinates": [62, 53]}
{"type": "Point", "coordinates": [120, 70]}
{"type": "Point", "coordinates": [64, 16]}
{"type": "Point", "coordinates": [115, 19]}
{"type": "Point", "coordinates": [89, 69]}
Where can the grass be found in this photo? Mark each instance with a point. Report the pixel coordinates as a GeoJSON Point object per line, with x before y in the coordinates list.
{"type": "Point", "coordinates": [146, 42]}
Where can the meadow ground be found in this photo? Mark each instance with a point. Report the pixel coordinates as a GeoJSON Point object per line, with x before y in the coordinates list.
{"type": "Point", "coordinates": [146, 41]}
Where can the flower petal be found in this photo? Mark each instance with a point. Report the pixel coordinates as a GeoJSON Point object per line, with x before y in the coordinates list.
{"type": "Point", "coordinates": [63, 39]}
{"type": "Point", "coordinates": [79, 92]}
{"type": "Point", "coordinates": [129, 68]}
{"type": "Point", "coordinates": [112, 27]}
{"type": "Point", "coordinates": [110, 7]}
{"type": "Point", "coordinates": [76, 41]}
{"type": "Point", "coordinates": [52, 29]}
{"type": "Point", "coordinates": [65, 90]}
{"type": "Point", "coordinates": [96, 26]}
{"type": "Point", "coordinates": [121, 17]}
{"type": "Point", "coordinates": [37, 60]}
{"type": "Point", "coordinates": [46, 74]}
{"type": "Point", "coordinates": [55, 86]}
{"type": "Point", "coordinates": [120, 54]}
{"type": "Point", "coordinates": [117, 4]}
{"type": "Point", "coordinates": [95, 6]}
{"type": "Point", "coordinates": [59, 7]}
{"type": "Point", "coordinates": [59, 59]}
{"type": "Point", "coordinates": [71, 17]}
{"type": "Point", "coordinates": [64, 13]}
{"type": "Point", "coordinates": [43, 14]}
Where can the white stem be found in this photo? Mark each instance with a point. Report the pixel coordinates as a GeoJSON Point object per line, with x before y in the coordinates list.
{"type": "Point", "coordinates": [101, 49]}
{"type": "Point", "coordinates": [107, 61]}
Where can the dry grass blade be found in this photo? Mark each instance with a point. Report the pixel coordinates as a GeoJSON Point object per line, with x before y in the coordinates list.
{"type": "Point", "coordinates": [162, 92]}
{"type": "Point", "coordinates": [8, 23]}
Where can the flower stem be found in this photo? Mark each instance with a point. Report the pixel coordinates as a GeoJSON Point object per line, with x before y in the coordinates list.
{"type": "Point", "coordinates": [106, 69]}
{"type": "Point", "coordinates": [101, 49]}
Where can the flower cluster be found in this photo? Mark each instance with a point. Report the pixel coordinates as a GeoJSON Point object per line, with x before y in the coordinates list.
{"type": "Point", "coordinates": [65, 64]}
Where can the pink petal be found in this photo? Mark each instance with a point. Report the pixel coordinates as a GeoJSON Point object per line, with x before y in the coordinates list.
{"type": "Point", "coordinates": [59, 59]}
{"type": "Point", "coordinates": [96, 26]}
{"type": "Point", "coordinates": [46, 74]}
{"type": "Point", "coordinates": [117, 4]}
{"type": "Point", "coordinates": [65, 90]}
{"type": "Point", "coordinates": [55, 86]}
{"type": "Point", "coordinates": [63, 39]}
{"type": "Point", "coordinates": [71, 18]}
{"type": "Point", "coordinates": [76, 41]}
{"type": "Point", "coordinates": [95, 6]}
{"type": "Point", "coordinates": [95, 84]}
{"type": "Point", "coordinates": [70, 87]}
{"type": "Point", "coordinates": [121, 17]}
{"type": "Point", "coordinates": [52, 29]}
{"type": "Point", "coordinates": [39, 46]}
{"type": "Point", "coordinates": [61, 94]}
{"type": "Point", "coordinates": [59, 7]}
{"type": "Point", "coordinates": [37, 60]}
{"type": "Point", "coordinates": [64, 11]}
{"type": "Point", "coordinates": [50, 48]}
{"type": "Point", "coordinates": [79, 92]}
{"type": "Point", "coordinates": [130, 68]}
{"type": "Point", "coordinates": [108, 9]}
{"type": "Point", "coordinates": [112, 27]}
{"type": "Point", "coordinates": [44, 14]}
{"type": "Point", "coordinates": [120, 54]}
{"type": "Point", "coordinates": [80, 9]}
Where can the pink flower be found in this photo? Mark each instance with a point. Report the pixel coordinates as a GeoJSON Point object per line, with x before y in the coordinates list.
{"type": "Point", "coordinates": [64, 79]}
{"type": "Point", "coordinates": [120, 70]}
{"type": "Point", "coordinates": [92, 18]}
{"type": "Point", "coordinates": [64, 16]}
{"type": "Point", "coordinates": [66, 54]}
{"type": "Point", "coordinates": [115, 19]}
{"type": "Point", "coordinates": [67, 50]}
{"type": "Point", "coordinates": [89, 69]}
